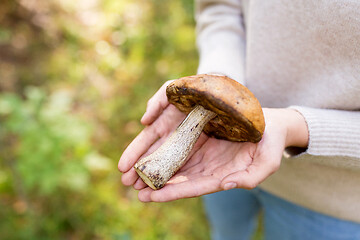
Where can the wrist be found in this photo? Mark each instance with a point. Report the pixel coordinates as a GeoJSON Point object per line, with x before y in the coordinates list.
{"type": "Point", "coordinates": [297, 129]}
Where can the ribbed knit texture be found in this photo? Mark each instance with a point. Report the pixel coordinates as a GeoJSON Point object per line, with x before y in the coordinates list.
{"type": "Point", "coordinates": [303, 54]}
{"type": "Point", "coordinates": [332, 132]}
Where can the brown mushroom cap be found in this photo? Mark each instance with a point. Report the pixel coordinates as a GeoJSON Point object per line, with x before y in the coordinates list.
{"type": "Point", "coordinates": [239, 114]}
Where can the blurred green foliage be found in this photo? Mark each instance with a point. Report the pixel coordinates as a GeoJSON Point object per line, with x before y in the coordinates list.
{"type": "Point", "coordinates": [75, 76]}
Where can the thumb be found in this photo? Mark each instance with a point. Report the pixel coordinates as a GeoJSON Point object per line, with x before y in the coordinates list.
{"type": "Point", "coordinates": [252, 176]}
{"type": "Point", "coordinates": [248, 179]}
{"type": "Point", "coordinates": [156, 105]}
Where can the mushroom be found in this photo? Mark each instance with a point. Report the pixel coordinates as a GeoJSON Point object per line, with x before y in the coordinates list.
{"type": "Point", "coordinates": [217, 105]}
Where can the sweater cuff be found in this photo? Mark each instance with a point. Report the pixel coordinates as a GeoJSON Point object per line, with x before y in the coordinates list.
{"type": "Point", "coordinates": [332, 132]}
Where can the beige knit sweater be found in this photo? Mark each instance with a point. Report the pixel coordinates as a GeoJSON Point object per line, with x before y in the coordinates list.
{"type": "Point", "coordinates": [303, 54]}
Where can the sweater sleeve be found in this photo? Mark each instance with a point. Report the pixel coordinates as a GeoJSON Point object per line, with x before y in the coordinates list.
{"type": "Point", "coordinates": [332, 132]}
{"type": "Point", "coordinates": [221, 37]}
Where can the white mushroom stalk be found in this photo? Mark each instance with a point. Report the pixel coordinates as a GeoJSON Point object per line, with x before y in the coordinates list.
{"type": "Point", "coordinates": [157, 168]}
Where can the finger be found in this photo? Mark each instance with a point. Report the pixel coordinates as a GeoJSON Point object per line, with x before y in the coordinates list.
{"type": "Point", "coordinates": [137, 148]}
{"type": "Point", "coordinates": [186, 189]}
{"type": "Point", "coordinates": [155, 146]}
{"type": "Point", "coordinates": [156, 105]}
{"type": "Point", "coordinates": [266, 161]}
{"type": "Point", "coordinates": [129, 177]}
{"type": "Point", "coordinates": [139, 184]}
{"type": "Point", "coordinates": [144, 194]}
{"type": "Point", "coordinates": [251, 177]}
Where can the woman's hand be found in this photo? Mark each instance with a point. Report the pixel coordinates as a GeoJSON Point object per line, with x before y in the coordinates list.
{"type": "Point", "coordinates": [160, 120]}
{"type": "Point", "coordinates": [214, 165]}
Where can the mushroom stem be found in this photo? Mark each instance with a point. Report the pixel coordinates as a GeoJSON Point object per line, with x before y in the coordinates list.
{"type": "Point", "coordinates": [157, 168]}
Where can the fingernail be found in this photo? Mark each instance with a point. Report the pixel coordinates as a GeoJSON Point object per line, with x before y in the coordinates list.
{"type": "Point", "coordinates": [229, 186]}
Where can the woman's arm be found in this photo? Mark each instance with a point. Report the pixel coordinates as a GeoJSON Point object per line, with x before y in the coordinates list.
{"type": "Point", "coordinates": [221, 37]}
